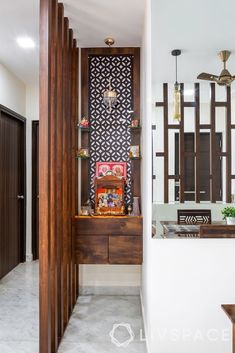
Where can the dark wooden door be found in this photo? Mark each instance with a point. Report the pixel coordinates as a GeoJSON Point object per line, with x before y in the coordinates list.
{"type": "Point", "coordinates": [12, 190]}
{"type": "Point", "coordinates": [35, 189]}
{"type": "Point", "coordinates": [204, 168]}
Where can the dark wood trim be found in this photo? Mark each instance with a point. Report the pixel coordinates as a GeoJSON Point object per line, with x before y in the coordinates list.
{"type": "Point", "coordinates": [35, 245]}
{"type": "Point", "coordinates": [182, 149]}
{"type": "Point", "coordinates": [197, 142]}
{"type": "Point", "coordinates": [165, 142]}
{"type": "Point", "coordinates": [22, 119]}
{"type": "Point", "coordinates": [228, 147]}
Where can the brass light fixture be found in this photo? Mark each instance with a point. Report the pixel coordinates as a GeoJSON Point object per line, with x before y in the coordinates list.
{"type": "Point", "coordinates": [177, 91]}
{"type": "Point", "coordinates": [110, 95]}
{"type": "Point", "coordinates": [109, 41]}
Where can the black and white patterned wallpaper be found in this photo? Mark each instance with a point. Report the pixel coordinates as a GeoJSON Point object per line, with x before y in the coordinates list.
{"type": "Point", "coordinates": [110, 137]}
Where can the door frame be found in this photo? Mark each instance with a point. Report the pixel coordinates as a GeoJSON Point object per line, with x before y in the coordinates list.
{"type": "Point", "coordinates": [13, 115]}
{"type": "Point", "coordinates": [35, 126]}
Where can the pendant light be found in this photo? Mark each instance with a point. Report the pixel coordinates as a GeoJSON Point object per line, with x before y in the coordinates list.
{"type": "Point", "coordinates": [110, 95]}
{"type": "Point", "coordinates": [177, 91]}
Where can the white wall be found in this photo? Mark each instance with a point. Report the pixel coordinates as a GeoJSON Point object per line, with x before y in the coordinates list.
{"type": "Point", "coordinates": [146, 172]}
{"type": "Point", "coordinates": [12, 91]}
{"type": "Point", "coordinates": [24, 100]}
{"type": "Point", "coordinates": [32, 113]}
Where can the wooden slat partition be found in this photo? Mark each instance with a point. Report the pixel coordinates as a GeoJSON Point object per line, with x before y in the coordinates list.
{"type": "Point", "coordinates": [57, 172]}
{"type": "Point", "coordinates": [196, 154]}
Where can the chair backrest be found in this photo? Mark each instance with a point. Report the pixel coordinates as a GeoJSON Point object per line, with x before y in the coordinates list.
{"type": "Point", "coordinates": [217, 231]}
{"type": "Point", "coordinates": [194, 216]}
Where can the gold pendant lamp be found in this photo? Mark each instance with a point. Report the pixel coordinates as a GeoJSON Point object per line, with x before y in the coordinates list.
{"type": "Point", "coordinates": [177, 91]}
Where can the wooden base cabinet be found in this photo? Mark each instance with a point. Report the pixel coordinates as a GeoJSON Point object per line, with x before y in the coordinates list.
{"type": "Point", "coordinates": [108, 240]}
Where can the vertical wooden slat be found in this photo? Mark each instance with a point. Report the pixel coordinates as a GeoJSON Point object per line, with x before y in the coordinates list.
{"type": "Point", "coordinates": [65, 174]}
{"type": "Point", "coordinates": [228, 147]}
{"type": "Point", "coordinates": [197, 143]}
{"type": "Point", "coordinates": [182, 149]}
{"type": "Point", "coordinates": [44, 169]}
{"type": "Point", "coordinates": [74, 139]}
{"type": "Point", "coordinates": [59, 167]}
{"type": "Point", "coordinates": [212, 146]}
{"type": "Point", "coordinates": [166, 142]}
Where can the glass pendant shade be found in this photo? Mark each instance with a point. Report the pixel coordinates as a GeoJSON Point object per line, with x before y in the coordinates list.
{"type": "Point", "coordinates": [177, 103]}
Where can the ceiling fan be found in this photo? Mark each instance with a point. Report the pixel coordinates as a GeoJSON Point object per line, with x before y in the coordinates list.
{"type": "Point", "coordinates": [225, 78]}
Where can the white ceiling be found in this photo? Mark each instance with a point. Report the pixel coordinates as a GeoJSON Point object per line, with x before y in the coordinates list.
{"type": "Point", "coordinates": [201, 28]}
{"type": "Point", "coordinates": [19, 18]}
{"type": "Point", "coordinates": [92, 21]}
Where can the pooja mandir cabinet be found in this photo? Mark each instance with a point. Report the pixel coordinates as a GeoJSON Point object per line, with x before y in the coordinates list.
{"type": "Point", "coordinates": [106, 239]}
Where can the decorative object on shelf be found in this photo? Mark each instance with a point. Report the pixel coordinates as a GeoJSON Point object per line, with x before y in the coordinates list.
{"type": "Point", "coordinates": [136, 206]}
{"type": "Point", "coordinates": [84, 123]}
{"type": "Point", "coordinates": [129, 209]}
{"type": "Point", "coordinates": [110, 97]}
{"type": "Point", "coordinates": [134, 151]}
{"type": "Point", "coordinates": [135, 123]}
{"type": "Point", "coordinates": [225, 78]}
{"type": "Point", "coordinates": [84, 211]}
{"type": "Point", "coordinates": [109, 196]}
{"type": "Point", "coordinates": [229, 215]}
{"type": "Point", "coordinates": [177, 91]}
{"type": "Point", "coordinates": [118, 169]}
{"type": "Point", "coordinates": [83, 153]}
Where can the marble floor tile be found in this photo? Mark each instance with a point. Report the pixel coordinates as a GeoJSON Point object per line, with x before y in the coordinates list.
{"type": "Point", "coordinates": [94, 318]}
{"type": "Point", "coordinates": [88, 331]}
{"type": "Point", "coordinates": [19, 310]}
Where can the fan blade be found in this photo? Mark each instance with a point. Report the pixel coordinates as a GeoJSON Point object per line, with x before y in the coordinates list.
{"type": "Point", "coordinates": [208, 77]}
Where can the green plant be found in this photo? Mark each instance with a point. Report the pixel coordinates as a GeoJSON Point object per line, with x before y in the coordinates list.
{"type": "Point", "coordinates": [228, 212]}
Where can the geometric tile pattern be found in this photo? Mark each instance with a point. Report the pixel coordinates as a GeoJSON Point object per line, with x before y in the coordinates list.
{"type": "Point", "coordinates": [110, 138]}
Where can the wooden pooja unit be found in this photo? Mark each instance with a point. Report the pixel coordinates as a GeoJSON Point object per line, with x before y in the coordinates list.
{"type": "Point", "coordinates": [108, 240]}
{"type": "Point", "coordinates": [198, 127]}
{"type": "Point", "coordinates": [85, 133]}
{"type": "Point", "coordinates": [57, 172]}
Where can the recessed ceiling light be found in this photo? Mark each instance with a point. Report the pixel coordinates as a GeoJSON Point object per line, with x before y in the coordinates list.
{"type": "Point", "coordinates": [26, 42]}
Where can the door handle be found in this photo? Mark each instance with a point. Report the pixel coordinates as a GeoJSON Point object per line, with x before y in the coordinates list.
{"type": "Point", "coordinates": [20, 197]}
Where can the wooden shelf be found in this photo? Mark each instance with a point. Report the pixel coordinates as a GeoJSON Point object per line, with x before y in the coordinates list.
{"type": "Point", "coordinates": [135, 158]}
{"type": "Point", "coordinates": [84, 129]}
{"type": "Point", "coordinates": [80, 157]}
{"type": "Point", "coordinates": [137, 128]}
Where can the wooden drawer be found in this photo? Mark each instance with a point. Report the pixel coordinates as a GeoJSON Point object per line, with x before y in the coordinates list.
{"type": "Point", "coordinates": [91, 249]}
{"type": "Point", "coordinates": [125, 250]}
{"type": "Point", "coordinates": [107, 226]}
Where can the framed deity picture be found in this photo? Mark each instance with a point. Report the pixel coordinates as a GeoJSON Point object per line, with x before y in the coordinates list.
{"type": "Point", "coordinates": [117, 169]}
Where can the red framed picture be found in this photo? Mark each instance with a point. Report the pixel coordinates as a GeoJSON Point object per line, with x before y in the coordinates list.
{"type": "Point", "coordinates": [118, 169]}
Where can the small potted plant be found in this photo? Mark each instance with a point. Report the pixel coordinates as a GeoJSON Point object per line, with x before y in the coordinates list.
{"type": "Point", "coordinates": [229, 215]}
